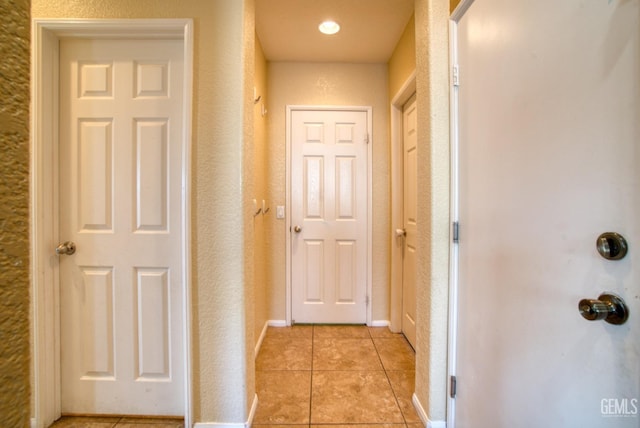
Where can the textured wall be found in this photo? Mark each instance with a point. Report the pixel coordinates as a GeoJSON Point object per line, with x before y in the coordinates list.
{"type": "Point", "coordinates": [329, 84]}
{"type": "Point", "coordinates": [14, 213]}
{"type": "Point", "coordinates": [260, 190]}
{"type": "Point", "coordinates": [222, 264]}
{"type": "Point", "coordinates": [432, 87]}
{"type": "Point", "coordinates": [403, 60]}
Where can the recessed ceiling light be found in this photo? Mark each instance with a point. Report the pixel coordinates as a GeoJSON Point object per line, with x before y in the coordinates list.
{"type": "Point", "coordinates": [329, 27]}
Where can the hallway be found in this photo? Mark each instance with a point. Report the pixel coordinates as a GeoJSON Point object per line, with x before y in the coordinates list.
{"type": "Point", "coordinates": [338, 375]}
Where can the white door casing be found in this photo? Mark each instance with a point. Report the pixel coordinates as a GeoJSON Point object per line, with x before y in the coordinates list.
{"type": "Point", "coordinates": [548, 107]}
{"type": "Point", "coordinates": [120, 190]}
{"type": "Point", "coordinates": [398, 102]}
{"type": "Point", "coordinates": [410, 168]}
{"type": "Point", "coordinates": [45, 191]}
{"type": "Point", "coordinates": [329, 203]}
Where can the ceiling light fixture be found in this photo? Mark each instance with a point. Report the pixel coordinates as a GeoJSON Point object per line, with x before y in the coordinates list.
{"type": "Point", "coordinates": [329, 27]}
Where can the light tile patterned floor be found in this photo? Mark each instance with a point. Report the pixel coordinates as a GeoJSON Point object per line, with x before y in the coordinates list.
{"type": "Point", "coordinates": [320, 376]}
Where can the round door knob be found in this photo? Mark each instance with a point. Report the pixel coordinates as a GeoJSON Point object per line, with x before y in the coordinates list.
{"type": "Point", "coordinates": [297, 229]}
{"type": "Point", "coordinates": [607, 307]}
{"type": "Point", "coordinates": [66, 248]}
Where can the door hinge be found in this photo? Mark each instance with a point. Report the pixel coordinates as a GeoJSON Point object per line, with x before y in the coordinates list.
{"type": "Point", "coordinates": [366, 300]}
{"type": "Point", "coordinates": [366, 138]}
{"type": "Point", "coordinates": [455, 75]}
{"type": "Point", "coordinates": [453, 384]}
{"type": "Point", "coordinates": [455, 231]}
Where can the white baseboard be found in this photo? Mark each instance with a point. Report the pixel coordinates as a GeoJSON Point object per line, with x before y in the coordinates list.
{"type": "Point", "coordinates": [263, 333]}
{"type": "Point", "coordinates": [277, 323]}
{"type": "Point", "coordinates": [380, 323]}
{"type": "Point", "coordinates": [247, 424]}
{"type": "Point", "coordinates": [423, 415]}
{"type": "Point", "coordinates": [33, 423]}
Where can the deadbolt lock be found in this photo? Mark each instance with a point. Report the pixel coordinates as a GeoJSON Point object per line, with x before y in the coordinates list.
{"type": "Point", "coordinates": [612, 246]}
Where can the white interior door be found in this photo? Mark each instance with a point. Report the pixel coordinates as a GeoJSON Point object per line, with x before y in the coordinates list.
{"type": "Point", "coordinates": [120, 192]}
{"type": "Point", "coordinates": [549, 106]}
{"type": "Point", "coordinates": [410, 169]}
{"type": "Point", "coordinates": [329, 216]}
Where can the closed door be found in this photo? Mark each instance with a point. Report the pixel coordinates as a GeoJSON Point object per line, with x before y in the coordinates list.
{"type": "Point", "coordinates": [549, 102]}
{"type": "Point", "coordinates": [120, 191]}
{"type": "Point", "coordinates": [410, 194]}
{"type": "Point", "coordinates": [329, 216]}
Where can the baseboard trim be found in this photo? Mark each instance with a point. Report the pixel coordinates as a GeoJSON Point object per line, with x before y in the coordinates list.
{"type": "Point", "coordinates": [380, 323]}
{"type": "Point", "coordinates": [247, 424]}
{"type": "Point", "coordinates": [423, 415]}
{"type": "Point", "coordinates": [277, 323]}
{"type": "Point", "coordinates": [263, 333]}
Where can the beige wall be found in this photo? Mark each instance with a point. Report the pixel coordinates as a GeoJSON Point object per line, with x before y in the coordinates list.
{"type": "Point", "coordinates": [14, 213]}
{"type": "Point", "coordinates": [403, 60]}
{"type": "Point", "coordinates": [432, 88]}
{"type": "Point", "coordinates": [222, 188]}
{"type": "Point", "coordinates": [329, 84]}
{"type": "Point", "coordinates": [260, 181]}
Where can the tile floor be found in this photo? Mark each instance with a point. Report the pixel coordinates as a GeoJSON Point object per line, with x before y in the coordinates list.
{"type": "Point", "coordinates": [315, 376]}
{"type": "Point", "coordinates": [116, 422]}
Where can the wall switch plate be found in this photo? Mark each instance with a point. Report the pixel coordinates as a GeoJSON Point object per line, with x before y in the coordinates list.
{"type": "Point", "coordinates": [280, 211]}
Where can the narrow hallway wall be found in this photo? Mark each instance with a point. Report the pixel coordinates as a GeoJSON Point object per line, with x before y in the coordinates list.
{"type": "Point", "coordinates": [260, 165]}
{"type": "Point", "coordinates": [432, 88]}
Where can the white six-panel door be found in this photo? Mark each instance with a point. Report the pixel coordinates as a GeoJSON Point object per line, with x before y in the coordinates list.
{"type": "Point", "coordinates": [329, 212]}
{"type": "Point", "coordinates": [410, 169]}
{"type": "Point", "coordinates": [120, 190]}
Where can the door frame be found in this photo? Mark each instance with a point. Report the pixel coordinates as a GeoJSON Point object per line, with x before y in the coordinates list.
{"type": "Point", "coordinates": [289, 110]}
{"type": "Point", "coordinates": [454, 120]}
{"type": "Point", "coordinates": [397, 199]}
{"type": "Point", "coordinates": [45, 287]}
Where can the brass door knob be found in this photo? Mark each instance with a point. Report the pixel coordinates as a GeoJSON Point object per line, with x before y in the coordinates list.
{"type": "Point", "coordinates": [607, 307]}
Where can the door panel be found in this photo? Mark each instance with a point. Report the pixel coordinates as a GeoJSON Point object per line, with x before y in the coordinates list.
{"type": "Point", "coordinates": [329, 204]}
{"type": "Point", "coordinates": [548, 160]}
{"type": "Point", "coordinates": [410, 167]}
{"type": "Point", "coordinates": [120, 198]}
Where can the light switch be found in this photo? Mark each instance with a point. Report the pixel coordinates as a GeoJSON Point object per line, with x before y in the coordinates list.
{"type": "Point", "coordinates": [280, 211]}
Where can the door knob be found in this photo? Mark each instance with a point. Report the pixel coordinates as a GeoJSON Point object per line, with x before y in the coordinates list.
{"type": "Point", "coordinates": [608, 307]}
{"type": "Point", "coordinates": [297, 229]}
{"type": "Point", "coordinates": [66, 248]}
{"type": "Point", "coordinates": [401, 232]}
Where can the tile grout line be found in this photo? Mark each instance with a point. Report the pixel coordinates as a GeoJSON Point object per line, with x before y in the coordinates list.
{"type": "Point", "coordinates": [386, 374]}
{"type": "Point", "coordinates": [313, 332]}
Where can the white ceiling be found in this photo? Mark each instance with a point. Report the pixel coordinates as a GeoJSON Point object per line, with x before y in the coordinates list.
{"type": "Point", "coordinates": [370, 29]}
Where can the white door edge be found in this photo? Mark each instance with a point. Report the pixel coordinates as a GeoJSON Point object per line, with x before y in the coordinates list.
{"type": "Point", "coordinates": [457, 14]}
{"type": "Point", "coordinates": [289, 110]}
{"type": "Point", "coordinates": [44, 190]}
{"type": "Point", "coordinates": [397, 198]}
